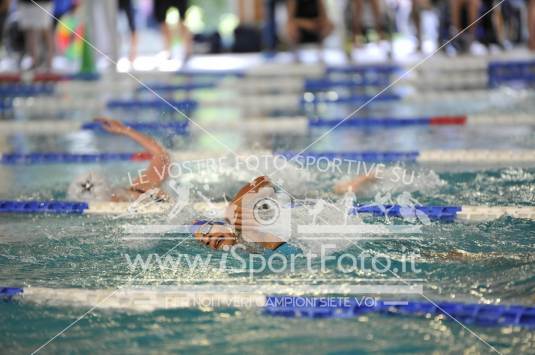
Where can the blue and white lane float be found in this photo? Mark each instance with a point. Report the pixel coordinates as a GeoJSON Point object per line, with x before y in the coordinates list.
{"type": "Point", "coordinates": [258, 102]}
{"type": "Point", "coordinates": [437, 213]}
{"type": "Point", "coordinates": [499, 71]}
{"type": "Point", "coordinates": [445, 74]}
{"type": "Point", "coordinates": [293, 124]}
{"type": "Point", "coordinates": [155, 104]}
{"type": "Point", "coordinates": [246, 85]}
{"type": "Point", "coordinates": [493, 75]}
{"type": "Point", "coordinates": [472, 156]}
{"type": "Point", "coordinates": [151, 299]}
{"type": "Point", "coordinates": [285, 85]}
{"type": "Point", "coordinates": [510, 63]}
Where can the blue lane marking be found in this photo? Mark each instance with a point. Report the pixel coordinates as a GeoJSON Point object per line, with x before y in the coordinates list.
{"type": "Point", "coordinates": [6, 104]}
{"type": "Point", "coordinates": [83, 76]}
{"type": "Point", "coordinates": [210, 73]}
{"type": "Point", "coordinates": [346, 307]}
{"type": "Point", "coordinates": [512, 65]}
{"type": "Point", "coordinates": [327, 84]}
{"type": "Point", "coordinates": [26, 90]}
{"type": "Point", "coordinates": [369, 122]}
{"type": "Point", "coordinates": [378, 69]}
{"type": "Point", "coordinates": [7, 293]}
{"type": "Point", "coordinates": [434, 213]}
{"type": "Point", "coordinates": [513, 72]}
{"type": "Point", "coordinates": [175, 127]}
{"type": "Point", "coordinates": [176, 87]}
{"type": "Point", "coordinates": [157, 104]}
{"type": "Point", "coordinates": [55, 207]}
{"type": "Point", "coordinates": [353, 99]}
{"type": "Point", "coordinates": [59, 158]}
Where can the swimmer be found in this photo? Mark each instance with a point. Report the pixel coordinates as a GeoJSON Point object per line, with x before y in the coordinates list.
{"type": "Point", "coordinates": [93, 187]}
{"type": "Point", "coordinates": [224, 234]}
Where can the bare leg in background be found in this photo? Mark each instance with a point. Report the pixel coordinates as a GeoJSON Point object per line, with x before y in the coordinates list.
{"type": "Point", "coordinates": [416, 15]}
{"type": "Point", "coordinates": [456, 7]}
{"type": "Point", "coordinates": [186, 37]}
{"type": "Point", "coordinates": [48, 35]}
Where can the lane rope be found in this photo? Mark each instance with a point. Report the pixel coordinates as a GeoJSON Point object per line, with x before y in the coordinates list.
{"type": "Point", "coordinates": [445, 214]}
{"type": "Point", "coordinates": [475, 156]}
{"type": "Point", "coordinates": [318, 307]}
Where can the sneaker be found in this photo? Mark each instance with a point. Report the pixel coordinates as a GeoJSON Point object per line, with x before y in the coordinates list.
{"type": "Point", "coordinates": [478, 49]}
{"type": "Point", "coordinates": [450, 50]}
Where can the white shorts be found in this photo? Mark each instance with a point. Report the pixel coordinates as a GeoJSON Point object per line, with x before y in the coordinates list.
{"type": "Point", "coordinates": [33, 17]}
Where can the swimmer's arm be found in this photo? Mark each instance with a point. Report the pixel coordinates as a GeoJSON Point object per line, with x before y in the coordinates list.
{"type": "Point", "coordinates": [159, 163]}
{"type": "Point", "coordinates": [354, 185]}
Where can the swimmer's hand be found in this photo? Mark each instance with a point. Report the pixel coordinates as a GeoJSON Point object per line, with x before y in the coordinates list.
{"type": "Point", "coordinates": [242, 217]}
{"type": "Point", "coordinates": [157, 170]}
{"type": "Point", "coordinates": [220, 236]}
{"type": "Point", "coordinates": [234, 212]}
{"type": "Point", "coordinates": [112, 126]}
{"type": "Point", "coordinates": [357, 184]}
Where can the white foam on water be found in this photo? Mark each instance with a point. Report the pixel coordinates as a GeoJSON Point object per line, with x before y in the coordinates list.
{"type": "Point", "coordinates": [395, 180]}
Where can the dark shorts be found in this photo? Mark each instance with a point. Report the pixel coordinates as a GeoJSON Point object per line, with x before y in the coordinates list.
{"type": "Point", "coordinates": [161, 7]}
{"type": "Point", "coordinates": [126, 6]}
{"type": "Point", "coordinates": [309, 37]}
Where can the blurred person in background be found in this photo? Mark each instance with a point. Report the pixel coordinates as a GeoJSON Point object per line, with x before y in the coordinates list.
{"type": "Point", "coordinates": [160, 13]}
{"type": "Point", "coordinates": [491, 28]}
{"type": "Point", "coordinates": [36, 21]}
{"type": "Point", "coordinates": [128, 9]}
{"type": "Point", "coordinates": [357, 15]}
{"type": "Point", "coordinates": [472, 8]}
{"type": "Point", "coordinates": [101, 17]}
{"type": "Point", "coordinates": [308, 22]}
{"type": "Point", "coordinates": [63, 8]}
{"type": "Point", "coordinates": [4, 12]}
{"type": "Point", "coordinates": [498, 24]}
{"type": "Point", "coordinates": [418, 6]}
{"type": "Point", "coordinates": [270, 28]}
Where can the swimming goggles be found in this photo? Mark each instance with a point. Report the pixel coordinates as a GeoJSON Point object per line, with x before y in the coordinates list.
{"type": "Point", "coordinates": [205, 226]}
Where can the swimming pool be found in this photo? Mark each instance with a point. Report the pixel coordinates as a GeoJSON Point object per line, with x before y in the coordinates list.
{"type": "Point", "coordinates": [89, 251]}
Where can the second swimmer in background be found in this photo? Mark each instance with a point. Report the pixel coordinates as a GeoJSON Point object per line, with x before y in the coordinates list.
{"type": "Point", "coordinates": [93, 186]}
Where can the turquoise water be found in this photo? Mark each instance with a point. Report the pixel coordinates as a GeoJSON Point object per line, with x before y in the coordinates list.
{"type": "Point", "coordinates": [88, 252]}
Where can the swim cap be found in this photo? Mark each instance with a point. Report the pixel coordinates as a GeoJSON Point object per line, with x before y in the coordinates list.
{"type": "Point", "coordinates": [89, 187]}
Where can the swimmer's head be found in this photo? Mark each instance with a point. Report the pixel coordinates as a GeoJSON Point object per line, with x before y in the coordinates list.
{"type": "Point", "coordinates": [214, 234]}
{"type": "Point", "coordinates": [220, 235]}
{"type": "Point", "coordinates": [90, 186]}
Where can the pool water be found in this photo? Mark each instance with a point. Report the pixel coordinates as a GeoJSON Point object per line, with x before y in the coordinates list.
{"type": "Point", "coordinates": [88, 252]}
{"type": "Point", "coordinates": [58, 251]}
